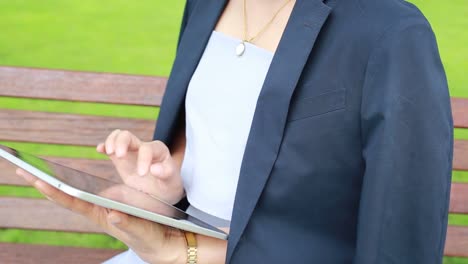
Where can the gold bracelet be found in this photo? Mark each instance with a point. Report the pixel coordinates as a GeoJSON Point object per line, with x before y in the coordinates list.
{"type": "Point", "coordinates": [191, 247]}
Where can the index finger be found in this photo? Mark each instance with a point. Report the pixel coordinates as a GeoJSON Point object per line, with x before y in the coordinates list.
{"type": "Point", "coordinates": [149, 153]}
{"type": "Point", "coordinates": [125, 141]}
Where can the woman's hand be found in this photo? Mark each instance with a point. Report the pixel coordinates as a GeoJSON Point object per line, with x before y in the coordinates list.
{"type": "Point", "coordinates": [148, 167]}
{"type": "Point", "coordinates": [154, 243]}
{"type": "Point", "coordinates": [145, 166]}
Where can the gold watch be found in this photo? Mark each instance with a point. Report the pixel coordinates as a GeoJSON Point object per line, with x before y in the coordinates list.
{"type": "Point", "coordinates": [191, 247]}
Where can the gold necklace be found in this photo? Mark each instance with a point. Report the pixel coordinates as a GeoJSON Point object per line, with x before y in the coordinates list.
{"type": "Point", "coordinates": [240, 49]}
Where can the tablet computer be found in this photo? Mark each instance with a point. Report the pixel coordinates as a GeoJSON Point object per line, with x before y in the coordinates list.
{"type": "Point", "coordinates": [109, 194]}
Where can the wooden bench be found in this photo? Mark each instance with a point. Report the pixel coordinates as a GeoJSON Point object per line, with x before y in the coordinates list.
{"type": "Point", "coordinates": [64, 129]}
{"type": "Point", "coordinates": [86, 130]}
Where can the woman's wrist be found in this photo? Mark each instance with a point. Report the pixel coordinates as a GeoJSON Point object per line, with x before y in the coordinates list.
{"type": "Point", "coordinates": [209, 251]}
{"type": "Point", "coordinates": [173, 250]}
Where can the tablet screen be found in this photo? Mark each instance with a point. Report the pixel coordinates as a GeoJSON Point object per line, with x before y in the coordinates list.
{"type": "Point", "coordinates": [110, 189]}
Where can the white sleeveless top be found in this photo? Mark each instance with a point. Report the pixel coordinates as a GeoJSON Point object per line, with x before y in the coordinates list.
{"type": "Point", "coordinates": [219, 108]}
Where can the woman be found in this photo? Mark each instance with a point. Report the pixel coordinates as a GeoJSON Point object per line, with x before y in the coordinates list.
{"type": "Point", "coordinates": [321, 130]}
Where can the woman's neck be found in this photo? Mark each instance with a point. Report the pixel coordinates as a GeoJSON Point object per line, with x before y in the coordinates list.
{"type": "Point", "coordinates": [259, 14]}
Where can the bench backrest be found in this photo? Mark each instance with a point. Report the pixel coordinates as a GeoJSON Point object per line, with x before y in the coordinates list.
{"type": "Point", "coordinates": [86, 130]}
{"type": "Point", "coordinates": [67, 129]}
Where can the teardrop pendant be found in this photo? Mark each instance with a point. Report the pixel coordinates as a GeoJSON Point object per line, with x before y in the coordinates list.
{"type": "Point", "coordinates": [240, 49]}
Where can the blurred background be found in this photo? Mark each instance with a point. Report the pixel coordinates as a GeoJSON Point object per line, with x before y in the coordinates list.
{"type": "Point", "coordinates": [139, 37]}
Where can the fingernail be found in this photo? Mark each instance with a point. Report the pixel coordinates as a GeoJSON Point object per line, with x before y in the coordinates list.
{"type": "Point", "coordinates": [141, 171]}
{"type": "Point", "coordinates": [109, 150]}
{"type": "Point", "coordinates": [119, 153]}
{"type": "Point", "coordinates": [98, 147]}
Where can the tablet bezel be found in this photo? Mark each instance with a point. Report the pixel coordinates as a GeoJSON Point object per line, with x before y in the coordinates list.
{"type": "Point", "coordinates": [108, 203]}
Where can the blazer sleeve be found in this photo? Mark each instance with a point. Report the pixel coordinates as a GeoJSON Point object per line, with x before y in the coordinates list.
{"type": "Point", "coordinates": [189, 4]}
{"type": "Point", "coordinates": [407, 142]}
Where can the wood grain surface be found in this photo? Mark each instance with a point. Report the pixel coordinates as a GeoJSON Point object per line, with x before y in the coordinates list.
{"type": "Point", "coordinates": [69, 129]}
{"type": "Point", "coordinates": [460, 112]}
{"type": "Point", "coordinates": [34, 254]}
{"type": "Point", "coordinates": [41, 214]}
{"type": "Point", "coordinates": [456, 244]}
{"type": "Point", "coordinates": [460, 155]}
{"type": "Point", "coordinates": [82, 86]}
{"type": "Point", "coordinates": [459, 198]}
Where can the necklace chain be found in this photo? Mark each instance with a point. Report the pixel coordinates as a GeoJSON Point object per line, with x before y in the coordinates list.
{"type": "Point", "coordinates": [246, 38]}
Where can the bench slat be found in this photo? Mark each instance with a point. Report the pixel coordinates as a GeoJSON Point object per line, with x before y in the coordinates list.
{"type": "Point", "coordinates": [460, 112]}
{"type": "Point", "coordinates": [459, 198]}
{"type": "Point", "coordinates": [82, 86]}
{"type": "Point", "coordinates": [41, 214]}
{"type": "Point", "coordinates": [33, 254]}
{"type": "Point", "coordinates": [70, 129]}
{"type": "Point", "coordinates": [101, 168]}
{"type": "Point", "coordinates": [460, 155]}
{"type": "Point", "coordinates": [456, 244]}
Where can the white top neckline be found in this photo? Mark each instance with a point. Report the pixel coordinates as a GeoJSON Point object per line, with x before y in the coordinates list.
{"type": "Point", "coordinates": [248, 44]}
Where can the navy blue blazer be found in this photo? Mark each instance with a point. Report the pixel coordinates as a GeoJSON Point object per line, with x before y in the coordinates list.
{"type": "Point", "coordinates": [349, 155]}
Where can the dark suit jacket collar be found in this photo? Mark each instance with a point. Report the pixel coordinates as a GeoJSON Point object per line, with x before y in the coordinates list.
{"type": "Point", "coordinates": [304, 25]}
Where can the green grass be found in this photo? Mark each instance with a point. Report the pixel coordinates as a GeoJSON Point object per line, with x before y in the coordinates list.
{"type": "Point", "coordinates": [56, 150]}
{"type": "Point", "coordinates": [15, 191]}
{"type": "Point", "coordinates": [460, 176]}
{"type": "Point", "coordinates": [461, 133]}
{"type": "Point", "coordinates": [139, 37]}
{"type": "Point", "coordinates": [453, 260]}
{"type": "Point", "coordinates": [59, 239]}
{"type": "Point", "coordinates": [101, 109]}
{"type": "Point", "coordinates": [449, 21]}
{"type": "Point", "coordinates": [135, 37]}
{"type": "Point", "coordinates": [458, 219]}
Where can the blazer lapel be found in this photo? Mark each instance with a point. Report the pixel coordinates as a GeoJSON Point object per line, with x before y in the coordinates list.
{"type": "Point", "coordinates": [266, 133]}
{"type": "Point", "coordinates": [202, 22]}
